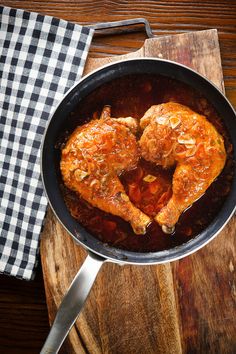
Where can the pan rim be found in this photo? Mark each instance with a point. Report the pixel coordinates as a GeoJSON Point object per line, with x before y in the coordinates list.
{"type": "Point", "coordinates": [112, 252]}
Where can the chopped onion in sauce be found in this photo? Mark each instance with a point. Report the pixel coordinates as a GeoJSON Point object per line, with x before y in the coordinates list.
{"type": "Point", "coordinates": [191, 151]}
{"type": "Point", "coordinates": [80, 174]}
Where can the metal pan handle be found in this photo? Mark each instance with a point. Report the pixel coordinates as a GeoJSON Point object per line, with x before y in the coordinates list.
{"type": "Point", "coordinates": [115, 24]}
{"type": "Point", "coordinates": [72, 303]}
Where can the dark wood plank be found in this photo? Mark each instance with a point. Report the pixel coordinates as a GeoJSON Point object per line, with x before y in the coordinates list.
{"type": "Point", "coordinates": [23, 315]}
{"type": "Point", "coordinates": [205, 285]}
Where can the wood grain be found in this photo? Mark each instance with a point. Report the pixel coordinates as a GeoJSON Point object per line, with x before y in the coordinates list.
{"type": "Point", "coordinates": [205, 285]}
{"type": "Point", "coordinates": [23, 315]}
{"type": "Point", "coordinates": [166, 18]}
{"type": "Point", "coordinates": [154, 303]}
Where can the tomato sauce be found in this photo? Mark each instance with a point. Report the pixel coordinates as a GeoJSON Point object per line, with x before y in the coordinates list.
{"type": "Point", "coordinates": [149, 187]}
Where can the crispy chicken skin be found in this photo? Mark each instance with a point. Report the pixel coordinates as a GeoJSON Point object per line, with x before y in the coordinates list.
{"type": "Point", "coordinates": [93, 158]}
{"type": "Point", "coordinates": [175, 135]}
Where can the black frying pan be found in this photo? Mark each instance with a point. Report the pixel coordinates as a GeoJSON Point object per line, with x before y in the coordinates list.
{"type": "Point", "coordinates": [97, 251]}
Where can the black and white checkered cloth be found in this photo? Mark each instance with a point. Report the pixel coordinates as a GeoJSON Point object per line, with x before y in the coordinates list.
{"type": "Point", "coordinates": [41, 57]}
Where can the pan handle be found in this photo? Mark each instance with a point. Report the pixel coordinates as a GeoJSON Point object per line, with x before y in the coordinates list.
{"type": "Point", "coordinates": [115, 24]}
{"type": "Point", "coordinates": [72, 303]}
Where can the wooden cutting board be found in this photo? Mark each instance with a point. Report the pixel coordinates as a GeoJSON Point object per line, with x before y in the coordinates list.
{"type": "Point", "coordinates": [187, 306]}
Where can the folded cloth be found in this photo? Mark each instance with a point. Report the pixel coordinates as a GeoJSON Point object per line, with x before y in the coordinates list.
{"type": "Point", "coordinates": [41, 57]}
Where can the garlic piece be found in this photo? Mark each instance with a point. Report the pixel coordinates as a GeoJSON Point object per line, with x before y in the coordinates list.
{"type": "Point", "coordinates": [174, 122]}
{"type": "Point", "coordinates": [162, 120]}
{"type": "Point", "coordinates": [167, 229]}
{"type": "Point", "coordinates": [186, 140]}
{"type": "Point", "coordinates": [149, 178]}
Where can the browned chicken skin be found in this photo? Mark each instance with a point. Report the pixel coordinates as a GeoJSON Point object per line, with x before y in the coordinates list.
{"type": "Point", "coordinates": [93, 158]}
{"type": "Point", "coordinates": [175, 135]}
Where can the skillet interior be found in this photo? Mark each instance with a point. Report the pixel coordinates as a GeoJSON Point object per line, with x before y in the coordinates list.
{"type": "Point", "coordinates": [50, 170]}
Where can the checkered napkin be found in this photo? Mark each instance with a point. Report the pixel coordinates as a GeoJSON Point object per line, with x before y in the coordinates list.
{"type": "Point", "coordinates": [41, 57]}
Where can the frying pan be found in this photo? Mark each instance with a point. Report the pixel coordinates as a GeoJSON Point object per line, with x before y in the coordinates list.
{"type": "Point", "coordinates": [98, 252]}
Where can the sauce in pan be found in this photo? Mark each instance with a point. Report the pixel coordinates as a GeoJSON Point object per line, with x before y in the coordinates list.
{"type": "Point", "coordinates": [148, 186]}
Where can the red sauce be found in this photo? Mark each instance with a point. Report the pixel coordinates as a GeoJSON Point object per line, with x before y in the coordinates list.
{"type": "Point", "coordinates": [132, 96]}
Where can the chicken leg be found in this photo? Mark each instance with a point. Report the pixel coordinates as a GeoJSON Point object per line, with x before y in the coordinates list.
{"type": "Point", "coordinates": [175, 135]}
{"type": "Point", "coordinates": [94, 157]}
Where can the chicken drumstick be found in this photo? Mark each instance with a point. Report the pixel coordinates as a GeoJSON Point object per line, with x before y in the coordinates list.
{"type": "Point", "coordinates": [175, 135]}
{"type": "Point", "coordinates": [93, 158]}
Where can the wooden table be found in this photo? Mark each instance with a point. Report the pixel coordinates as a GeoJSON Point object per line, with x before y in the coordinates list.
{"type": "Point", "coordinates": [23, 313]}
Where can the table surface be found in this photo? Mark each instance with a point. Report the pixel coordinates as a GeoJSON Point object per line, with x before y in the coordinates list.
{"type": "Point", "coordinates": [23, 312]}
